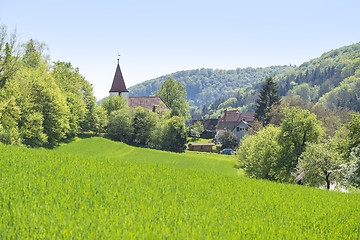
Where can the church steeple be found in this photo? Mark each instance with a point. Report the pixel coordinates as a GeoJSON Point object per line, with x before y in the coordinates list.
{"type": "Point", "coordinates": [118, 85]}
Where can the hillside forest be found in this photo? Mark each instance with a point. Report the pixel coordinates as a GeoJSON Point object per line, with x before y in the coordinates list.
{"type": "Point", "coordinates": [332, 80]}
{"type": "Point", "coordinates": [204, 86]}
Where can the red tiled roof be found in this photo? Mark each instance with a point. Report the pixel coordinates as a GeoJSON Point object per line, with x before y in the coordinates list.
{"type": "Point", "coordinates": [146, 102]}
{"type": "Point", "coordinates": [236, 116]}
{"type": "Point", "coordinates": [118, 84]}
{"type": "Point", "coordinates": [232, 118]}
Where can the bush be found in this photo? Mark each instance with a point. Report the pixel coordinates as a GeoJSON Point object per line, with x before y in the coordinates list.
{"type": "Point", "coordinates": [228, 140]}
{"type": "Point", "coordinates": [259, 153]}
{"type": "Point", "coordinates": [120, 126]}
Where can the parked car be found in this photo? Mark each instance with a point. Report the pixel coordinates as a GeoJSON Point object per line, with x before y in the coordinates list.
{"type": "Point", "coordinates": [228, 151]}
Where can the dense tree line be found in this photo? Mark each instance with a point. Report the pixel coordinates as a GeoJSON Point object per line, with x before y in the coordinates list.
{"type": "Point", "coordinates": [331, 80]}
{"type": "Point", "coordinates": [161, 130]}
{"type": "Point", "coordinates": [304, 143]}
{"type": "Point", "coordinates": [42, 103]}
{"type": "Point", "coordinates": [204, 86]}
{"type": "Point", "coordinates": [300, 150]}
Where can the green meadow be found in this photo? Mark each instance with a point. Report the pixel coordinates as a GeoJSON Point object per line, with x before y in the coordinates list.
{"type": "Point", "coordinates": [95, 188]}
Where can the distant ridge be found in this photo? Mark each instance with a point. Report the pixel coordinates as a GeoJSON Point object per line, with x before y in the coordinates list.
{"type": "Point", "coordinates": [332, 80]}
{"type": "Point", "coordinates": [206, 85]}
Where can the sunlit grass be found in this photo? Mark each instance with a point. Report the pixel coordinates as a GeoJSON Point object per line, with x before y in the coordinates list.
{"type": "Point", "coordinates": [95, 188]}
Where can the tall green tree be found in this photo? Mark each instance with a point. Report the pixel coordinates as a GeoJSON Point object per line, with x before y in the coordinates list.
{"type": "Point", "coordinates": [79, 96]}
{"type": "Point", "coordinates": [174, 137]}
{"type": "Point", "coordinates": [42, 102]}
{"type": "Point", "coordinates": [8, 55]}
{"type": "Point", "coordinates": [268, 97]}
{"type": "Point", "coordinates": [173, 94]}
{"type": "Point", "coordinates": [113, 103]}
{"type": "Point", "coordinates": [298, 128]}
{"type": "Point", "coordinates": [144, 123]}
{"type": "Point", "coordinates": [353, 149]}
{"type": "Point", "coordinates": [259, 153]}
{"type": "Point", "coordinates": [120, 125]}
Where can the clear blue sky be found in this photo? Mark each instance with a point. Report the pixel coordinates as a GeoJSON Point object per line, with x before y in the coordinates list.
{"type": "Point", "coordinates": [160, 37]}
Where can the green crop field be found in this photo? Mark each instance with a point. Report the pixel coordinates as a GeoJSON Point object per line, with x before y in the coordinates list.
{"type": "Point", "coordinates": [96, 189]}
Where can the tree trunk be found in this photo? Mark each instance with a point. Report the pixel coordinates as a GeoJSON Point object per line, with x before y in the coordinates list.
{"type": "Point", "coordinates": [327, 181]}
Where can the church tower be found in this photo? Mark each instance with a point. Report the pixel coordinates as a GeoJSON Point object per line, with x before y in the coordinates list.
{"type": "Point", "coordinates": [118, 85]}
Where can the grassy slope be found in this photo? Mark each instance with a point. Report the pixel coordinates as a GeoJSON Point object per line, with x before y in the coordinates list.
{"type": "Point", "coordinates": [107, 149]}
{"type": "Point", "coordinates": [111, 190]}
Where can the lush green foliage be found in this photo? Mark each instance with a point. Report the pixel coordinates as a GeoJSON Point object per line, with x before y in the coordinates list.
{"type": "Point", "coordinates": [196, 129]}
{"type": "Point", "coordinates": [353, 148]}
{"type": "Point", "coordinates": [113, 103]}
{"type": "Point", "coordinates": [273, 153]}
{"type": "Point", "coordinates": [320, 164]}
{"type": "Point", "coordinates": [173, 93]}
{"type": "Point", "coordinates": [144, 123]}
{"type": "Point", "coordinates": [174, 137]}
{"type": "Point", "coordinates": [111, 190]}
{"type": "Point", "coordinates": [332, 80]}
{"type": "Point", "coordinates": [206, 85]}
{"type": "Point", "coordinates": [258, 154]}
{"type": "Point", "coordinates": [298, 128]}
{"type": "Point", "coordinates": [268, 97]}
{"type": "Point", "coordinates": [120, 126]}
{"type": "Point", "coordinates": [228, 140]}
{"type": "Point", "coordinates": [41, 103]}
{"type": "Point", "coordinates": [8, 55]}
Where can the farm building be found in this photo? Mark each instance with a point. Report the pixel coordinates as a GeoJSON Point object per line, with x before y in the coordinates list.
{"type": "Point", "coordinates": [201, 147]}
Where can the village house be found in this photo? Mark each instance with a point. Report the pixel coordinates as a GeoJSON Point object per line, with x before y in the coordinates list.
{"type": "Point", "coordinates": [118, 87]}
{"type": "Point", "coordinates": [235, 122]}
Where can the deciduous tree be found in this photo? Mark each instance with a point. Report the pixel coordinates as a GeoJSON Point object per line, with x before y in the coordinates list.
{"type": "Point", "coordinates": [113, 103]}
{"type": "Point", "coordinates": [228, 140]}
{"type": "Point", "coordinates": [298, 128]}
{"type": "Point", "coordinates": [174, 136]}
{"type": "Point", "coordinates": [320, 165]}
{"type": "Point", "coordinates": [120, 125]}
{"type": "Point", "coordinates": [144, 123]}
{"type": "Point", "coordinates": [259, 153]}
{"type": "Point", "coordinates": [173, 94]}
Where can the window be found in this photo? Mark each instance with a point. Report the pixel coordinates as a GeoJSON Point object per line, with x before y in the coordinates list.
{"type": "Point", "coordinates": [237, 129]}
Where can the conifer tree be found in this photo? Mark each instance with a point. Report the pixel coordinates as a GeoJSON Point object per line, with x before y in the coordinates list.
{"type": "Point", "coordinates": [268, 97]}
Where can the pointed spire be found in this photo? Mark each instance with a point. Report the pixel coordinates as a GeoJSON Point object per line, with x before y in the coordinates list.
{"type": "Point", "coordinates": [118, 84]}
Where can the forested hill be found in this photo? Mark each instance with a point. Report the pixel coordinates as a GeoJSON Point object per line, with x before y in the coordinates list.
{"type": "Point", "coordinates": [332, 80]}
{"type": "Point", "coordinates": [207, 85]}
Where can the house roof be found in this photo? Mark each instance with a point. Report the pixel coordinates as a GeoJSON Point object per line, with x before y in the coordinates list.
{"type": "Point", "coordinates": [230, 125]}
{"type": "Point", "coordinates": [210, 124]}
{"type": "Point", "coordinates": [118, 84]}
{"type": "Point", "coordinates": [236, 116]}
{"type": "Point", "coordinates": [231, 119]}
{"type": "Point", "coordinates": [146, 102]}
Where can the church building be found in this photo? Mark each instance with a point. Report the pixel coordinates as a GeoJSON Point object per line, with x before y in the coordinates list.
{"type": "Point", "coordinates": [118, 87]}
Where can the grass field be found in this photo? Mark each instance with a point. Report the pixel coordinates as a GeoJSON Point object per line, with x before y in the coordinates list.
{"type": "Point", "coordinates": [95, 188]}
